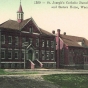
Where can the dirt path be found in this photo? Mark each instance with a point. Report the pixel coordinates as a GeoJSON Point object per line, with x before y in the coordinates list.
{"type": "Point", "coordinates": [31, 81]}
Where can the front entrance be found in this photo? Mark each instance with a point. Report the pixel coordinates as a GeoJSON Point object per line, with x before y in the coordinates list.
{"type": "Point", "coordinates": [30, 55]}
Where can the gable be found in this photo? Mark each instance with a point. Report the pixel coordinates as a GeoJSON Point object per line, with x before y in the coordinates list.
{"type": "Point", "coordinates": [31, 26]}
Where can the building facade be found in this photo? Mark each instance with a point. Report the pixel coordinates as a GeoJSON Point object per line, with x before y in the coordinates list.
{"type": "Point", "coordinates": [72, 51]}
{"type": "Point", "coordinates": [25, 45]}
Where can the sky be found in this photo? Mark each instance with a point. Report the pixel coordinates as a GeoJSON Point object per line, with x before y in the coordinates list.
{"type": "Point", "coordinates": [49, 15]}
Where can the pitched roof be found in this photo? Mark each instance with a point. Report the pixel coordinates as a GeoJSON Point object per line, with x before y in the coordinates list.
{"type": "Point", "coordinates": [14, 25]}
{"type": "Point", "coordinates": [73, 40]}
{"type": "Point", "coordinates": [44, 32]}
{"type": "Point", "coordinates": [20, 9]}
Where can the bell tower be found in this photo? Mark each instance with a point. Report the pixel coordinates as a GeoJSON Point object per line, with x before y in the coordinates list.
{"type": "Point", "coordinates": [20, 14]}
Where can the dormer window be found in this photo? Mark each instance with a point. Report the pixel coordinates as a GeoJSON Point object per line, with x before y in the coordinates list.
{"type": "Point", "coordinates": [30, 29]}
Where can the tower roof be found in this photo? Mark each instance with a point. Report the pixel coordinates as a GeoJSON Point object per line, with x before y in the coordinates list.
{"type": "Point", "coordinates": [20, 9]}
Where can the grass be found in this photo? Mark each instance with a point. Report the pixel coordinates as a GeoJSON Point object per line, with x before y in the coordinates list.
{"type": "Point", "coordinates": [68, 80]}
{"type": "Point", "coordinates": [3, 72]}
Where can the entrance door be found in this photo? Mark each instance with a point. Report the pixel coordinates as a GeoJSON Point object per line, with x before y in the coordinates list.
{"type": "Point", "coordinates": [30, 54]}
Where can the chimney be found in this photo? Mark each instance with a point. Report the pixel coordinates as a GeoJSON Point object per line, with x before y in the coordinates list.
{"type": "Point", "coordinates": [58, 32]}
{"type": "Point", "coordinates": [64, 33]}
{"type": "Point", "coordinates": [53, 32]}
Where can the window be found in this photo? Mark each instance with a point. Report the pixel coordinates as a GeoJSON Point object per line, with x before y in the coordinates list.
{"type": "Point", "coordinates": [30, 29]}
{"type": "Point", "coordinates": [16, 55]}
{"type": "Point", "coordinates": [37, 54]}
{"type": "Point", "coordinates": [52, 44]}
{"type": "Point", "coordinates": [52, 55]}
{"type": "Point", "coordinates": [47, 55]}
{"type": "Point", "coordinates": [9, 55]}
{"type": "Point", "coordinates": [43, 44]}
{"type": "Point", "coordinates": [37, 42]}
{"type": "Point", "coordinates": [16, 40]}
{"type": "Point", "coordinates": [2, 54]}
{"type": "Point", "coordinates": [23, 55]}
{"type": "Point", "coordinates": [3, 39]}
{"type": "Point", "coordinates": [43, 55]}
{"type": "Point", "coordinates": [30, 40]}
{"type": "Point", "coordinates": [47, 43]}
{"type": "Point", "coordinates": [9, 39]}
{"type": "Point", "coordinates": [23, 40]}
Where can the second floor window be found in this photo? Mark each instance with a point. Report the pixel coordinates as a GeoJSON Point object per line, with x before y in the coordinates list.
{"type": "Point", "coordinates": [47, 43]}
{"type": "Point", "coordinates": [52, 44]}
{"type": "Point", "coordinates": [23, 40]}
{"type": "Point", "coordinates": [10, 39]}
{"type": "Point", "coordinates": [3, 39]}
{"type": "Point", "coordinates": [16, 40]}
{"type": "Point", "coordinates": [37, 42]}
{"type": "Point", "coordinates": [30, 40]}
{"type": "Point", "coordinates": [43, 43]}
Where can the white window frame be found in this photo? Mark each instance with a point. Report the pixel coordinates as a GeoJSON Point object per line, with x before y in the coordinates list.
{"type": "Point", "coordinates": [17, 54]}
{"type": "Point", "coordinates": [8, 39]}
{"type": "Point", "coordinates": [11, 54]}
{"type": "Point", "coordinates": [23, 39]}
{"type": "Point", "coordinates": [47, 53]}
{"type": "Point", "coordinates": [52, 52]}
{"type": "Point", "coordinates": [43, 43]}
{"type": "Point", "coordinates": [37, 42]}
{"type": "Point", "coordinates": [4, 54]}
{"type": "Point", "coordinates": [16, 40]}
{"type": "Point", "coordinates": [23, 52]}
{"type": "Point", "coordinates": [30, 40]}
{"type": "Point", "coordinates": [47, 43]}
{"type": "Point", "coordinates": [43, 53]}
{"type": "Point", "coordinates": [37, 52]}
{"type": "Point", "coordinates": [31, 30]}
{"type": "Point", "coordinates": [3, 42]}
{"type": "Point", "coordinates": [52, 44]}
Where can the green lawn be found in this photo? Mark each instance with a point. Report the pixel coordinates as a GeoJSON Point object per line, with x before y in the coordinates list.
{"type": "Point", "coordinates": [69, 80]}
{"type": "Point", "coordinates": [3, 72]}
